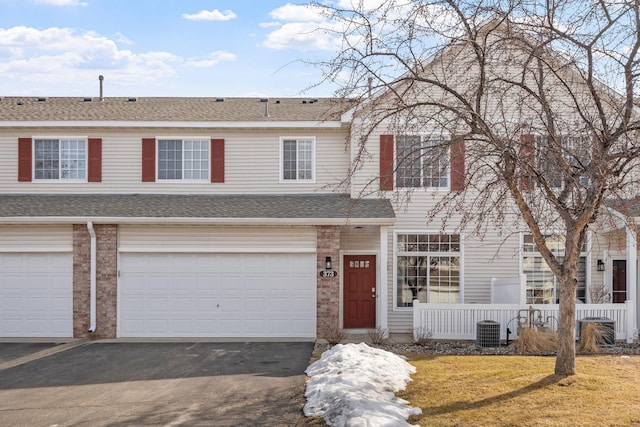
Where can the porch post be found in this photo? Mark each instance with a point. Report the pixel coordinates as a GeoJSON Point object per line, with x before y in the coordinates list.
{"type": "Point", "coordinates": [632, 281]}
{"type": "Point", "coordinates": [383, 271]}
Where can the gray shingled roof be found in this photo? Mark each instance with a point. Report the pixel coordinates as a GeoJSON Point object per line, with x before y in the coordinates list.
{"type": "Point", "coordinates": [170, 109]}
{"type": "Point", "coordinates": [307, 206]}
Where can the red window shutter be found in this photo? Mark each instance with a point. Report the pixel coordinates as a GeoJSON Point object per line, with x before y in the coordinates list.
{"type": "Point", "coordinates": [24, 159]}
{"type": "Point", "coordinates": [217, 160]}
{"type": "Point", "coordinates": [148, 159]}
{"type": "Point", "coordinates": [457, 164]}
{"type": "Point", "coordinates": [386, 162]}
{"type": "Point", "coordinates": [527, 150]}
{"type": "Point", "coordinates": [94, 155]}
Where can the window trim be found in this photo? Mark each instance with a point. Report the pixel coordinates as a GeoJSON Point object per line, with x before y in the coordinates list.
{"type": "Point", "coordinates": [395, 255]}
{"type": "Point", "coordinates": [182, 180]}
{"type": "Point", "coordinates": [312, 139]}
{"type": "Point", "coordinates": [35, 138]}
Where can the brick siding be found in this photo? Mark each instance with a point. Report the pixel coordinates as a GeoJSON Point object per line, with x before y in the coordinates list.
{"type": "Point", "coordinates": [106, 281]}
{"type": "Point", "coordinates": [328, 304]}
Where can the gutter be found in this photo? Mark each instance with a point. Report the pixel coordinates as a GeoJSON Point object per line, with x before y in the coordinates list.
{"type": "Point", "coordinates": [200, 221]}
{"type": "Point", "coordinates": [92, 292]}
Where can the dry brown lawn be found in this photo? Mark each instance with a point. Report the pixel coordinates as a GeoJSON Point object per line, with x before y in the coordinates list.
{"type": "Point", "coordinates": [520, 391]}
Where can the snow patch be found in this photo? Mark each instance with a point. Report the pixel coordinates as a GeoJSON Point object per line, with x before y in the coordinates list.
{"type": "Point", "coordinates": [353, 385]}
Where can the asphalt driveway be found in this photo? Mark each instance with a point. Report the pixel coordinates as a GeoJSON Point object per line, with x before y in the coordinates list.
{"type": "Point", "coordinates": [157, 384]}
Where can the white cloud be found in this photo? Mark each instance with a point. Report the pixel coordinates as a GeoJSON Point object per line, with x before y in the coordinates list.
{"type": "Point", "coordinates": [304, 29]}
{"type": "Point", "coordinates": [210, 15]}
{"type": "Point", "coordinates": [67, 59]}
{"type": "Point", "coordinates": [214, 58]}
{"type": "Point", "coordinates": [297, 12]}
{"type": "Point", "coordinates": [63, 2]}
{"type": "Point", "coordinates": [269, 24]}
{"type": "Point", "coordinates": [299, 36]}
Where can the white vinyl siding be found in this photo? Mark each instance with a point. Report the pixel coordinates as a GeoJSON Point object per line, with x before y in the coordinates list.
{"type": "Point", "coordinates": [252, 165]}
{"type": "Point", "coordinates": [216, 239]}
{"type": "Point", "coordinates": [36, 238]}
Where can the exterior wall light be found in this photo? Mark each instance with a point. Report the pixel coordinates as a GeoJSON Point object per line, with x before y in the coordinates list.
{"type": "Point", "coordinates": [600, 265]}
{"type": "Point", "coordinates": [327, 261]}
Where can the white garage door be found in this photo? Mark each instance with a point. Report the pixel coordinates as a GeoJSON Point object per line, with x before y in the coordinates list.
{"type": "Point", "coordinates": [36, 295]}
{"type": "Point", "coordinates": [217, 295]}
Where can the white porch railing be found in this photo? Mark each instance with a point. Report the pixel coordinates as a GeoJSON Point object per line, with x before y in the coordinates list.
{"type": "Point", "coordinates": [459, 321]}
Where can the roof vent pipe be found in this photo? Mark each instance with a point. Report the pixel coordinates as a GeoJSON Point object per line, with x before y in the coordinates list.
{"type": "Point", "coordinates": [101, 78]}
{"type": "Point", "coordinates": [266, 106]}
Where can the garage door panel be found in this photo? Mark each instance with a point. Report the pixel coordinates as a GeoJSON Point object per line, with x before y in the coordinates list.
{"type": "Point", "coordinates": [225, 295]}
{"type": "Point", "coordinates": [36, 294]}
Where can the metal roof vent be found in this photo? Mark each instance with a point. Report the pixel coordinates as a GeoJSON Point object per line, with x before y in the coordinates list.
{"type": "Point", "coordinates": [219, 99]}
{"type": "Point", "coordinates": [266, 106]}
{"type": "Point", "coordinates": [42, 99]}
{"type": "Point", "coordinates": [101, 79]}
{"type": "Point", "coordinates": [86, 99]}
{"type": "Point", "coordinates": [132, 99]}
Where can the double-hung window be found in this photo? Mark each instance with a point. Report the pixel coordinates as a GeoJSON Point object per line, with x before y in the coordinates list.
{"type": "Point", "coordinates": [183, 159]}
{"type": "Point", "coordinates": [60, 158]}
{"type": "Point", "coordinates": [564, 159]}
{"type": "Point", "coordinates": [541, 282]}
{"type": "Point", "coordinates": [428, 268]}
{"type": "Point", "coordinates": [297, 159]}
{"type": "Point", "coordinates": [422, 161]}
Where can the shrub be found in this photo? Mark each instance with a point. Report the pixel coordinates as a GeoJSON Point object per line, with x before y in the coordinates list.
{"type": "Point", "coordinates": [377, 336]}
{"type": "Point", "coordinates": [335, 335]}
{"type": "Point", "coordinates": [420, 336]}
{"type": "Point", "coordinates": [592, 336]}
{"type": "Point", "coordinates": [531, 341]}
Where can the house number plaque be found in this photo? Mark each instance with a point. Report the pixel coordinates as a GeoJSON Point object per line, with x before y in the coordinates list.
{"type": "Point", "coordinates": [328, 273]}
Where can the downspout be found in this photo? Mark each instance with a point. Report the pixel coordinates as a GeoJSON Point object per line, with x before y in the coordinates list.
{"type": "Point", "coordinates": [92, 292]}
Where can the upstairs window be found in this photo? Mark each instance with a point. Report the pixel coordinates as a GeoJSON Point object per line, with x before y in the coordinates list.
{"type": "Point", "coordinates": [422, 161]}
{"type": "Point", "coordinates": [183, 159]}
{"type": "Point", "coordinates": [564, 160]}
{"type": "Point", "coordinates": [297, 159]}
{"type": "Point", "coordinates": [60, 159]}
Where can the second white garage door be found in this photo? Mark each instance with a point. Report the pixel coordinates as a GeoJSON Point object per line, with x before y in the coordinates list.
{"type": "Point", "coordinates": [217, 295]}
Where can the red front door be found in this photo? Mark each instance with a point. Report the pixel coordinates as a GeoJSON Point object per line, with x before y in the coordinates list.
{"type": "Point", "coordinates": [359, 291]}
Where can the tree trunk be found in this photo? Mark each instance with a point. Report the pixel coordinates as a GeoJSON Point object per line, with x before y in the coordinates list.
{"type": "Point", "coordinates": [566, 357]}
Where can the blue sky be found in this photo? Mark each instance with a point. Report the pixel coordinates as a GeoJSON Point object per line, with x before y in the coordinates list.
{"type": "Point", "coordinates": [160, 47]}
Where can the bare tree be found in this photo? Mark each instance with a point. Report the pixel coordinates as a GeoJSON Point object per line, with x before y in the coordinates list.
{"type": "Point", "coordinates": [537, 96]}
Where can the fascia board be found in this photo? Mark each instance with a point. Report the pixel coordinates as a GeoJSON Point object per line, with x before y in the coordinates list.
{"type": "Point", "coordinates": [198, 221]}
{"type": "Point", "coordinates": [170, 124]}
